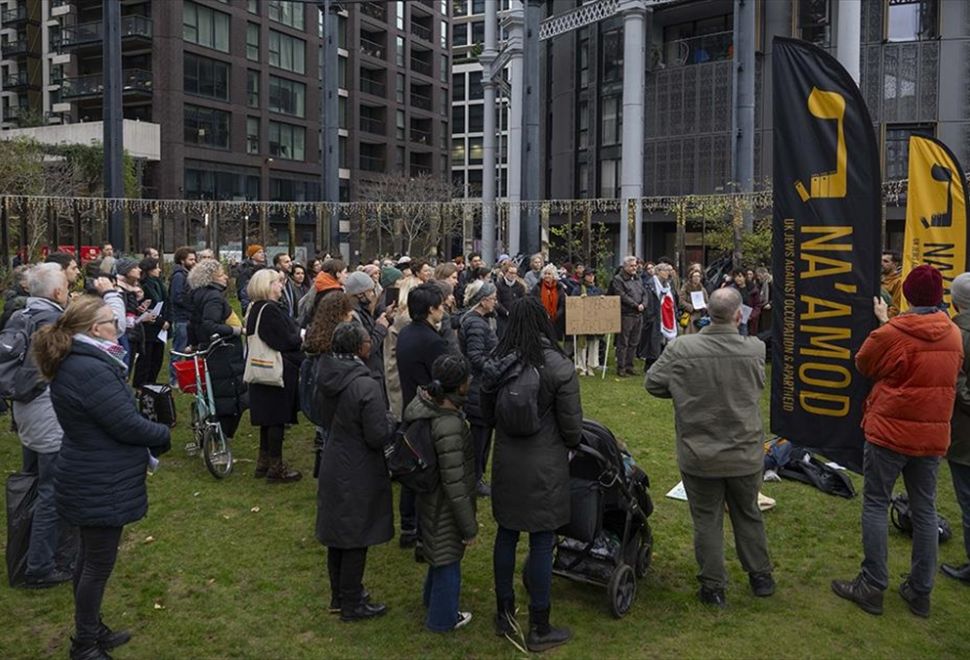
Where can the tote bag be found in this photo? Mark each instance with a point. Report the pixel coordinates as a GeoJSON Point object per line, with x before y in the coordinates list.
{"type": "Point", "coordinates": [264, 365]}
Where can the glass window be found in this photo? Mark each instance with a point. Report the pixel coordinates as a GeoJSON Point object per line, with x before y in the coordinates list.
{"type": "Point", "coordinates": [287, 96]}
{"type": "Point", "coordinates": [444, 34]}
{"type": "Point", "coordinates": [252, 42]}
{"type": "Point", "coordinates": [287, 141]}
{"type": "Point", "coordinates": [399, 51]}
{"type": "Point", "coordinates": [205, 77]}
{"type": "Point", "coordinates": [476, 151]}
{"type": "Point", "coordinates": [582, 185]}
{"type": "Point", "coordinates": [252, 135]}
{"type": "Point", "coordinates": [206, 127]}
{"type": "Point", "coordinates": [252, 88]}
{"type": "Point", "coordinates": [444, 101]}
{"type": "Point", "coordinates": [912, 20]}
{"type": "Point", "coordinates": [610, 114]}
{"type": "Point", "coordinates": [458, 151]}
{"type": "Point", "coordinates": [399, 14]}
{"type": "Point", "coordinates": [399, 125]}
{"type": "Point", "coordinates": [897, 148]}
{"type": "Point", "coordinates": [458, 86]}
{"type": "Point", "coordinates": [287, 52]}
{"type": "Point", "coordinates": [459, 7]}
{"type": "Point", "coordinates": [613, 56]}
{"type": "Point", "coordinates": [205, 26]}
{"type": "Point", "coordinates": [459, 35]}
{"type": "Point", "coordinates": [478, 6]}
{"type": "Point", "coordinates": [399, 153]}
{"type": "Point", "coordinates": [609, 179]}
{"type": "Point", "coordinates": [287, 13]}
{"type": "Point", "coordinates": [814, 24]}
{"type": "Point", "coordinates": [458, 118]}
{"type": "Point", "coordinates": [252, 6]}
{"type": "Point", "coordinates": [584, 63]}
{"type": "Point", "coordinates": [583, 121]}
{"type": "Point", "coordinates": [443, 70]}
{"type": "Point", "coordinates": [399, 88]}
{"type": "Point", "coordinates": [478, 32]}
{"type": "Point", "coordinates": [475, 90]}
{"type": "Point", "coordinates": [476, 118]}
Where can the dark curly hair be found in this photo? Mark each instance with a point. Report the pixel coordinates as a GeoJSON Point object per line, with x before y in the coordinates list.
{"type": "Point", "coordinates": [449, 372]}
{"type": "Point", "coordinates": [331, 312]}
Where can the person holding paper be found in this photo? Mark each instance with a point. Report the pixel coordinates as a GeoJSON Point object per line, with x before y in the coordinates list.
{"type": "Point", "coordinates": [715, 379]}
{"type": "Point", "coordinates": [137, 312]}
{"type": "Point", "coordinates": [150, 361]}
{"type": "Point", "coordinates": [751, 299]}
{"type": "Point", "coordinates": [693, 300]}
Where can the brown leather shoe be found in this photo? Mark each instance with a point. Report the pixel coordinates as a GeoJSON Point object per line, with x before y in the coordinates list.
{"type": "Point", "coordinates": [279, 472]}
{"type": "Point", "coordinates": [262, 465]}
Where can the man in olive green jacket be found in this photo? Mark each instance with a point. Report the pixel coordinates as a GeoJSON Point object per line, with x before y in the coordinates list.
{"type": "Point", "coordinates": [959, 453]}
{"type": "Point", "coordinates": [716, 378]}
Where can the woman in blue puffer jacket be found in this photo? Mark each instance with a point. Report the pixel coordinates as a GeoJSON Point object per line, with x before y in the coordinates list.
{"type": "Point", "coordinates": [107, 447]}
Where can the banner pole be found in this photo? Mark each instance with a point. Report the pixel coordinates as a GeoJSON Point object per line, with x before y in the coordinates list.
{"type": "Point", "coordinates": [606, 356]}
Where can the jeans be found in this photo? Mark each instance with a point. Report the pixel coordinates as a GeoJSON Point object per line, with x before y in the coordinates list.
{"type": "Point", "coordinates": [99, 550]}
{"type": "Point", "coordinates": [482, 435]}
{"type": "Point", "coordinates": [126, 344]}
{"type": "Point", "coordinates": [442, 588]}
{"type": "Point", "coordinates": [881, 468]}
{"type": "Point", "coordinates": [627, 341]}
{"type": "Point", "coordinates": [706, 498]}
{"type": "Point", "coordinates": [346, 569]}
{"type": "Point", "coordinates": [46, 527]}
{"type": "Point", "coordinates": [180, 339]}
{"type": "Point", "coordinates": [961, 485]}
{"type": "Point", "coordinates": [538, 569]}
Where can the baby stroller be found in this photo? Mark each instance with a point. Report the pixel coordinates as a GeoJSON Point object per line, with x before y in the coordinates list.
{"type": "Point", "coordinates": [608, 541]}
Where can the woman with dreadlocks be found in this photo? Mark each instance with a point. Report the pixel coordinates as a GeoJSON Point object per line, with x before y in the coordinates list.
{"type": "Point", "coordinates": [530, 470]}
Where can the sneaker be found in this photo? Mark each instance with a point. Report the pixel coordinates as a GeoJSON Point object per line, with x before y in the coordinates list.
{"type": "Point", "coordinates": [713, 597]}
{"type": "Point", "coordinates": [463, 620]}
{"type": "Point", "coordinates": [919, 603]}
{"type": "Point", "coordinates": [52, 579]}
{"type": "Point", "coordinates": [860, 592]}
{"type": "Point", "coordinates": [762, 584]}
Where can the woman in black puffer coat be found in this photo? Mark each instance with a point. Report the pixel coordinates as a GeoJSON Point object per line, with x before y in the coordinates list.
{"type": "Point", "coordinates": [530, 474]}
{"type": "Point", "coordinates": [211, 315]}
{"type": "Point", "coordinates": [354, 489]}
{"type": "Point", "coordinates": [100, 479]}
{"type": "Point", "coordinates": [272, 408]}
{"type": "Point", "coordinates": [478, 340]}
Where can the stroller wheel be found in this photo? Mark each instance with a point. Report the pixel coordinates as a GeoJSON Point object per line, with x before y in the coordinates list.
{"type": "Point", "coordinates": [622, 590]}
{"type": "Point", "coordinates": [644, 554]}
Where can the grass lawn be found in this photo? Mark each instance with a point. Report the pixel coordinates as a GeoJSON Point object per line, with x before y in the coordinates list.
{"type": "Point", "coordinates": [232, 569]}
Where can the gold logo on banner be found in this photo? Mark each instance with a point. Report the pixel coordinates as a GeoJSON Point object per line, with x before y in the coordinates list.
{"type": "Point", "coordinates": [828, 106]}
{"type": "Point", "coordinates": [936, 213]}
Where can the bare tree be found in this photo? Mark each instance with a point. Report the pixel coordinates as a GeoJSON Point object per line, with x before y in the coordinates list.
{"type": "Point", "coordinates": [411, 210]}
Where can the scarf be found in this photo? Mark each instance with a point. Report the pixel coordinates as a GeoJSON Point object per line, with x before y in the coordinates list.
{"type": "Point", "coordinates": [550, 299]}
{"type": "Point", "coordinates": [115, 350]}
{"type": "Point", "coordinates": [668, 322]}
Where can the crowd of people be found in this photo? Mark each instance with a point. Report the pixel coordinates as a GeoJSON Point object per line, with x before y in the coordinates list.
{"type": "Point", "coordinates": [405, 341]}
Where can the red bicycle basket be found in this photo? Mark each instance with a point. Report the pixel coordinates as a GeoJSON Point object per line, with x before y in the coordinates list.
{"type": "Point", "coordinates": [185, 373]}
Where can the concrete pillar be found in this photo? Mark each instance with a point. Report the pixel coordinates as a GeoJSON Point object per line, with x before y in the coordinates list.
{"type": "Point", "coordinates": [532, 111]}
{"type": "Point", "coordinates": [849, 36]}
{"type": "Point", "coordinates": [490, 171]}
{"type": "Point", "coordinates": [634, 81]}
{"type": "Point", "coordinates": [742, 118]}
{"type": "Point", "coordinates": [515, 26]}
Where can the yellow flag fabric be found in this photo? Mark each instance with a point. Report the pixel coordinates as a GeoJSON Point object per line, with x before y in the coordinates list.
{"type": "Point", "coordinates": [936, 213]}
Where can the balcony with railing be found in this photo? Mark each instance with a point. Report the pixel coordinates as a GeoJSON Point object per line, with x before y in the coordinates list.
{"type": "Point", "coordinates": [16, 17]}
{"type": "Point", "coordinates": [421, 97]}
{"type": "Point", "coordinates": [421, 31]}
{"type": "Point", "coordinates": [422, 66]}
{"type": "Point", "coordinates": [375, 10]}
{"type": "Point", "coordinates": [373, 124]}
{"type": "Point", "coordinates": [134, 29]}
{"type": "Point", "coordinates": [134, 82]}
{"type": "Point", "coordinates": [371, 46]}
{"type": "Point", "coordinates": [371, 163]}
{"type": "Point", "coordinates": [420, 135]}
{"type": "Point", "coordinates": [372, 85]}
{"type": "Point", "coordinates": [17, 81]}
{"type": "Point", "coordinates": [698, 50]}
{"type": "Point", "coordinates": [15, 48]}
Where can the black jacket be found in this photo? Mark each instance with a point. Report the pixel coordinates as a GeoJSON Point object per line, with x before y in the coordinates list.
{"type": "Point", "coordinates": [418, 346]}
{"type": "Point", "coordinates": [178, 291]}
{"type": "Point", "coordinates": [631, 292]}
{"type": "Point", "coordinates": [477, 343]}
{"type": "Point", "coordinates": [377, 332]}
{"type": "Point", "coordinates": [100, 476]}
{"type": "Point", "coordinates": [558, 323]}
{"type": "Point", "coordinates": [246, 270]}
{"type": "Point", "coordinates": [268, 405]}
{"type": "Point", "coordinates": [506, 294]}
{"type": "Point", "coordinates": [530, 475]}
{"type": "Point", "coordinates": [210, 309]}
{"type": "Point", "coordinates": [354, 489]}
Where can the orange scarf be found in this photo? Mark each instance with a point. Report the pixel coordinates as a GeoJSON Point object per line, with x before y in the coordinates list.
{"type": "Point", "coordinates": [550, 299]}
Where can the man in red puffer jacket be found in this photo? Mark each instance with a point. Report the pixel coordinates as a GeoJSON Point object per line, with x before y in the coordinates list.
{"type": "Point", "coordinates": [913, 361]}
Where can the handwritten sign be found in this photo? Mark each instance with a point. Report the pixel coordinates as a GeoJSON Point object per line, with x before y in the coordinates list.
{"type": "Point", "coordinates": [595, 315]}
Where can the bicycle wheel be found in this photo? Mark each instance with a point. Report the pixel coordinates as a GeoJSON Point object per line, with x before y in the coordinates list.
{"type": "Point", "coordinates": [216, 450]}
{"type": "Point", "coordinates": [192, 446]}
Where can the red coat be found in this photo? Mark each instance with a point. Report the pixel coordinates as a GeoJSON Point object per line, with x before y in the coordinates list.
{"type": "Point", "coordinates": [913, 362]}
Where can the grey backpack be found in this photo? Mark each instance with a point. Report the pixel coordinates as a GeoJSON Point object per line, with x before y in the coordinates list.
{"type": "Point", "coordinates": [19, 377]}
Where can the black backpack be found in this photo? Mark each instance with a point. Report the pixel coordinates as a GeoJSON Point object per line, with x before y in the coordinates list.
{"type": "Point", "coordinates": [903, 521]}
{"type": "Point", "coordinates": [19, 377]}
{"type": "Point", "coordinates": [307, 387]}
{"type": "Point", "coordinates": [411, 458]}
{"type": "Point", "coordinates": [517, 403]}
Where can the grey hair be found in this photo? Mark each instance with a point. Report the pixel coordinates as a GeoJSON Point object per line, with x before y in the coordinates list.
{"type": "Point", "coordinates": [723, 305]}
{"type": "Point", "coordinates": [549, 268]}
{"type": "Point", "coordinates": [44, 279]}
{"type": "Point", "coordinates": [203, 274]}
{"type": "Point", "coordinates": [629, 259]}
{"type": "Point", "coordinates": [348, 337]}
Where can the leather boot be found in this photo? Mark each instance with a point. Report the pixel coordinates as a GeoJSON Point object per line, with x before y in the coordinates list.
{"type": "Point", "coordinates": [504, 616]}
{"type": "Point", "coordinates": [860, 592]}
{"type": "Point", "coordinates": [279, 472]}
{"type": "Point", "coordinates": [961, 573]}
{"type": "Point", "coordinates": [543, 636]}
{"type": "Point", "coordinates": [88, 650]}
{"type": "Point", "coordinates": [110, 639]}
{"type": "Point", "coordinates": [262, 464]}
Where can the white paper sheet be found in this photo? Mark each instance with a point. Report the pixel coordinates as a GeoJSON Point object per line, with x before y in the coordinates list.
{"type": "Point", "coordinates": [678, 492]}
{"type": "Point", "coordinates": [157, 309]}
{"type": "Point", "coordinates": [745, 313]}
{"type": "Point", "coordinates": [697, 300]}
{"type": "Point", "coordinates": [163, 336]}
